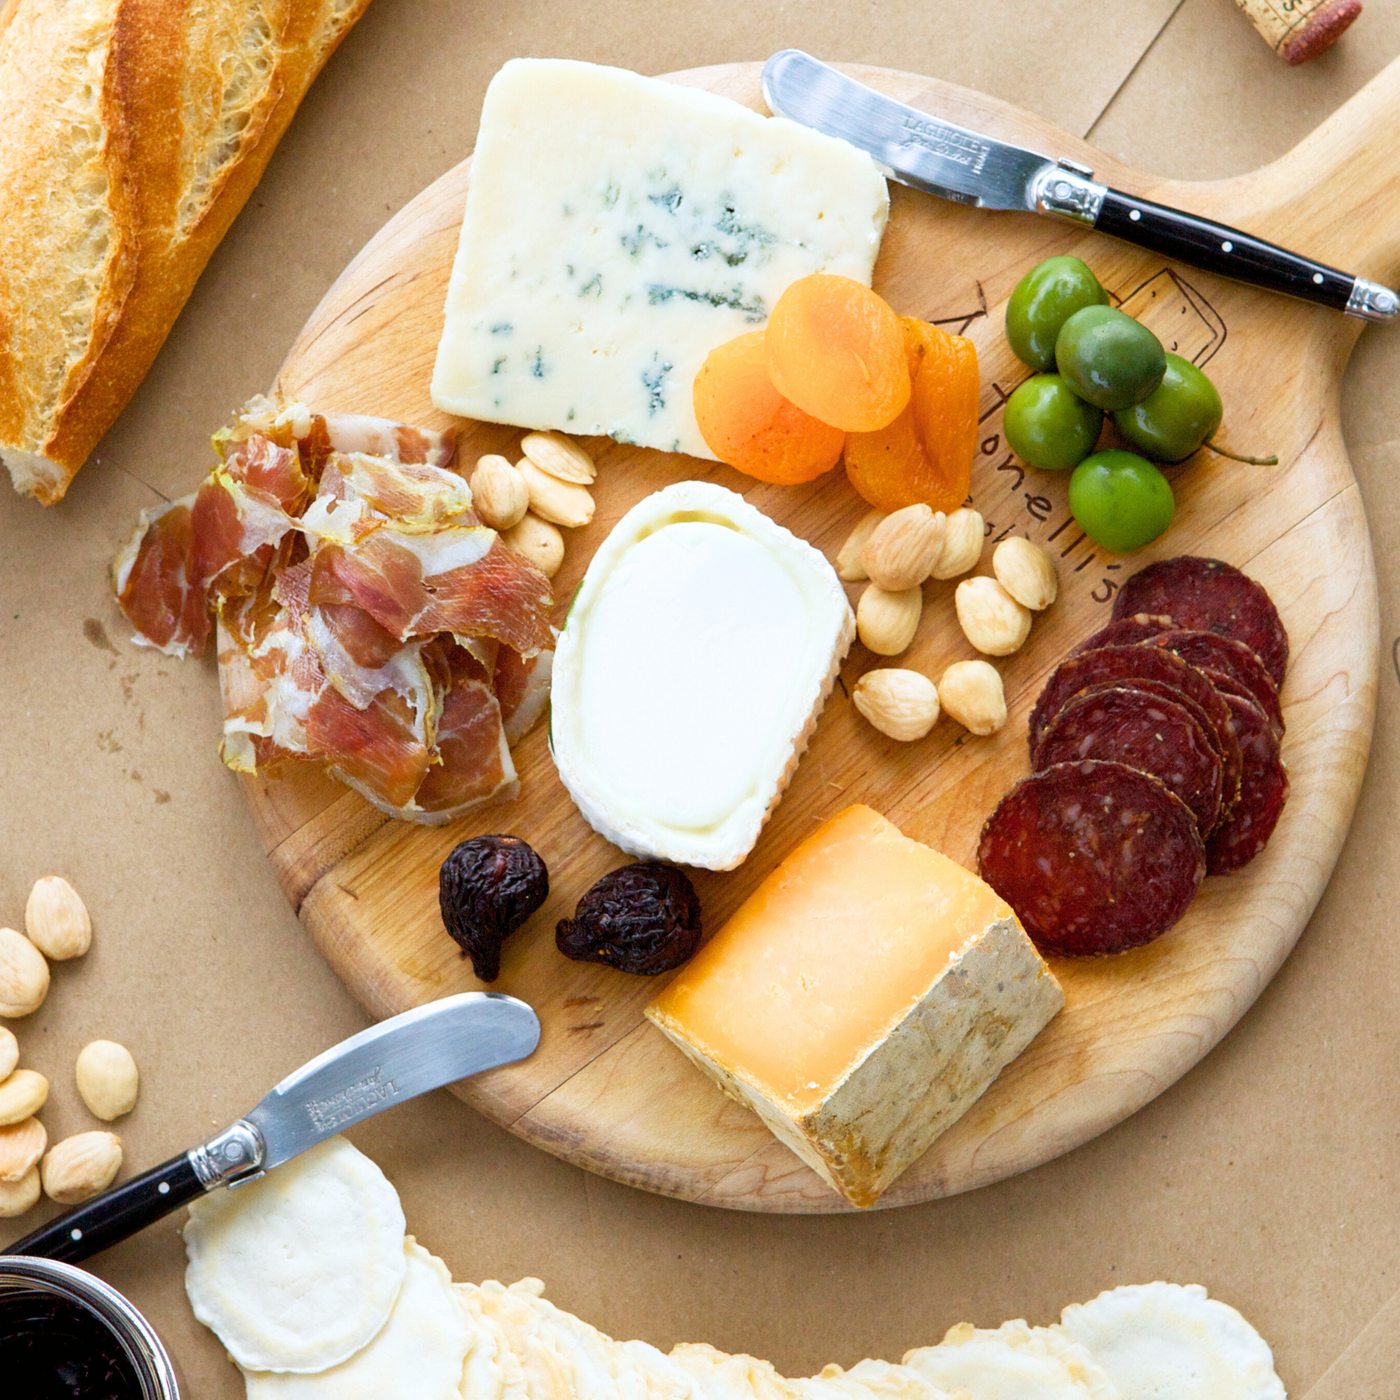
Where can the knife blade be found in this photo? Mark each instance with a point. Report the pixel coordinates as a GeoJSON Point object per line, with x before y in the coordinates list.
{"type": "Point", "coordinates": [400, 1058]}
{"type": "Point", "coordinates": [950, 161]}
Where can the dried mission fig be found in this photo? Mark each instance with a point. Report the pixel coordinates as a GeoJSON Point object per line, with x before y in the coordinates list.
{"type": "Point", "coordinates": [487, 888]}
{"type": "Point", "coordinates": [643, 918]}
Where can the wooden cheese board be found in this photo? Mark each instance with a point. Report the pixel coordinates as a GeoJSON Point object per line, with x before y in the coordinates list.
{"type": "Point", "coordinates": [604, 1090]}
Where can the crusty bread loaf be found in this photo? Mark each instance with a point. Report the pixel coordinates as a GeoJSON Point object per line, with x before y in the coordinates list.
{"type": "Point", "coordinates": [131, 132]}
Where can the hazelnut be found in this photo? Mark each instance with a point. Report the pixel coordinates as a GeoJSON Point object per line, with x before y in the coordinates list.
{"type": "Point", "coordinates": [902, 704]}
{"type": "Point", "coordinates": [887, 622]}
{"type": "Point", "coordinates": [560, 457]}
{"type": "Point", "coordinates": [107, 1079]}
{"type": "Point", "coordinates": [21, 1146]}
{"type": "Point", "coordinates": [904, 547]}
{"type": "Point", "coordinates": [1026, 571]}
{"type": "Point", "coordinates": [16, 1197]}
{"type": "Point", "coordinates": [962, 544]}
{"type": "Point", "coordinates": [9, 1052]}
{"type": "Point", "coordinates": [972, 694]}
{"type": "Point", "coordinates": [499, 494]}
{"type": "Point", "coordinates": [24, 975]}
{"type": "Point", "coordinates": [539, 542]}
{"type": "Point", "coordinates": [992, 620]}
{"type": "Point", "coordinates": [848, 565]}
{"type": "Point", "coordinates": [79, 1167]}
{"type": "Point", "coordinates": [560, 502]}
{"type": "Point", "coordinates": [22, 1095]}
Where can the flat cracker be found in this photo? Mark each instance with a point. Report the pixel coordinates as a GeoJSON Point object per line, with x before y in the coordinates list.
{"type": "Point", "coordinates": [997, 1365]}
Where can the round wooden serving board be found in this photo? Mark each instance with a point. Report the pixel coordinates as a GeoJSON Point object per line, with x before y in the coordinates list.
{"type": "Point", "coordinates": [605, 1090]}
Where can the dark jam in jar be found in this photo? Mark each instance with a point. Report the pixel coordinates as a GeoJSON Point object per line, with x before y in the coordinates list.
{"type": "Point", "coordinates": [52, 1348]}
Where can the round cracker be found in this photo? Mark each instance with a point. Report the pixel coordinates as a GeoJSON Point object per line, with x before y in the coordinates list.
{"type": "Point", "coordinates": [298, 1271]}
{"type": "Point", "coordinates": [421, 1351]}
{"type": "Point", "coordinates": [1169, 1341]}
{"type": "Point", "coordinates": [990, 1365]}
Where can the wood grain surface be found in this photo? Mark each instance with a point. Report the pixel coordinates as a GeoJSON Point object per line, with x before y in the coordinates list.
{"type": "Point", "coordinates": [605, 1090]}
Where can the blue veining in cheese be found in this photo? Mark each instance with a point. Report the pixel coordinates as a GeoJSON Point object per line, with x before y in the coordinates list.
{"type": "Point", "coordinates": [617, 229]}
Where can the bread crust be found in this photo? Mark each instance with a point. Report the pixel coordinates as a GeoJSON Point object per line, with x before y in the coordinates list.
{"type": "Point", "coordinates": [193, 99]}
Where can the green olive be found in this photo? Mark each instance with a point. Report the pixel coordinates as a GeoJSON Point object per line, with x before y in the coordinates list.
{"type": "Point", "coordinates": [1044, 299]}
{"type": "Point", "coordinates": [1176, 417]}
{"type": "Point", "coordinates": [1109, 358]}
{"type": "Point", "coordinates": [1120, 500]}
{"type": "Point", "coordinates": [1048, 425]}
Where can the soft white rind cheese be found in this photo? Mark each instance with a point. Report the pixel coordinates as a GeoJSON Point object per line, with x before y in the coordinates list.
{"type": "Point", "coordinates": [697, 655]}
{"type": "Point", "coordinates": [617, 229]}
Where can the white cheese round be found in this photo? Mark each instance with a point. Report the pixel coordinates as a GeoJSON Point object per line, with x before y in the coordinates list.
{"type": "Point", "coordinates": [698, 652]}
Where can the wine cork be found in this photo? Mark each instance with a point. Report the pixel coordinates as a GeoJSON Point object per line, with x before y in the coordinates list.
{"type": "Point", "coordinates": [1298, 30]}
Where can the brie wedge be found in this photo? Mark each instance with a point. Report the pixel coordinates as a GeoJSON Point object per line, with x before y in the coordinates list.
{"type": "Point", "coordinates": [697, 655]}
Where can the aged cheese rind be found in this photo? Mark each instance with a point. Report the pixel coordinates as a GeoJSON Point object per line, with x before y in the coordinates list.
{"type": "Point", "coordinates": [676, 722]}
{"type": "Point", "coordinates": [617, 229]}
{"type": "Point", "coordinates": [915, 1069]}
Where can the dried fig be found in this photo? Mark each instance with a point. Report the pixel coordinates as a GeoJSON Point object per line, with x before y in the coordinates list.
{"type": "Point", "coordinates": [487, 888]}
{"type": "Point", "coordinates": [643, 918]}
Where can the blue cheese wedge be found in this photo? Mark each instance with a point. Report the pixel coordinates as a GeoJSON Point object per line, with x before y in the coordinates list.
{"type": "Point", "coordinates": [697, 655]}
{"type": "Point", "coordinates": [617, 229]}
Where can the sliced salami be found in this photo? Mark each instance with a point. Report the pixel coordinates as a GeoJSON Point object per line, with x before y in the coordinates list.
{"type": "Point", "coordinates": [1263, 791]}
{"type": "Point", "coordinates": [1211, 596]}
{"type": "Point", "coordinates": [1224, 656]}
{"type": "Point", "coordinates": [1126, 632]}
{"type": "Point", "coordinates": [1094, 857]}
{"type": "Point", "coordinates": [1156, 736]}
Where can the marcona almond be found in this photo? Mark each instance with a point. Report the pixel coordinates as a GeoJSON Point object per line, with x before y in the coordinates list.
{"type": "Point", "coordinates": [962, 544]}
{"type": "Point", "coordinates": [1026, 571]}
{"type": "Point", "coordinates": [886, 621]}
{"type": "Point", "coordinates": [560, 502]}
{"type": "Point", "coordinates": [499, 493]}
{"type": "Point", "coordinates": [902, 704]}
{"type": "Point", "coordinates": [904, 548]}
{"type": "Point", "coordinates": [21, 1146]}
{"type": "Point", "coordinates": [22, 1095]}
{"type": "Point", "coordinates": [16, 1197]}
{"type": "Point", "coordinates": [107, 1079]}
{"type": "Point", "coordinates": [992, 620]}
{"type": "Point", "coordinates": [24, 975]}
{"type": "Point", "coordinates": [56, 920]}
{"type": "Point", "coordinates": [77, 1168]}
{"type": "Point", "coordinates": [848, 565]}
{"type": "Point", "coordinates": [538, 541]}
{"type": "Point", "coordinates": [972, 694]}
{"type": "Point", "coordinates": [9, 1051]}
{"type": "Point", "coordinates": [560, 457]}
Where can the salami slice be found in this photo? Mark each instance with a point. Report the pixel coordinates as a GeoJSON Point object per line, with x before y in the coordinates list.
{"type": "Point", "coordinates": [1211, 596]}
{"type": "Point", "coordinates": [1263, 791]}
{"type": "Point", "coordinates": [1094, 857]}
{"type": "Point", "coordinates": [1224, 656]}
{"type": "Point", "coordinates": [1156, 736]}
{"type": "Point", "coordinates": [1126, 632]}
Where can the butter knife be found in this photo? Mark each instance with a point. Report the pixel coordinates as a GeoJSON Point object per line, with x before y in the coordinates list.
{"type": "Point", "coordinates": [955, 163]}
{"type": "Point", "coordinates": [396, 1060]}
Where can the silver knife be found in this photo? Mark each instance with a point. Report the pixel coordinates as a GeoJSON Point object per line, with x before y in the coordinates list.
{"type": "Point", "coordinates": [955, 163]}
{"type": "Point", "coordinates": [396, 1060]}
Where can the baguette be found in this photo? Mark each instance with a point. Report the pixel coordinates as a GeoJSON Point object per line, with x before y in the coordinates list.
{"type": "Point", "coordinates": [131, 133]}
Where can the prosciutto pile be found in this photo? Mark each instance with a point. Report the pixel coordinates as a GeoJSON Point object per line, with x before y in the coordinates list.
{"type": "Point", "coordinates": [365, 619]}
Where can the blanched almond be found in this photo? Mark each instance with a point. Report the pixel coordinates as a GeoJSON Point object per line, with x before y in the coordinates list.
{"type": "Point", "coordinates": [56, 920]}
{"type": "Point", "coordinates": [904, 547]}
{"type": "Point", "coordinates": [499, 493]}
{"type": "Point", "coordinates": [848, 565]}
{"type": "Point", "coordinates": [992, 620]}
{"type": "Point", "coordinates": [902, 704]}
{"type": "Point", "coordinates": [107, 1079]}
{"type": "Point", "coordinates": [79, 1167]}
{"type": "Point", "coordinates": [22, 1095]}
{"type": "Point", "coordinates": [559, 502]}
{"type": "Point", "coordinates": [972, 694]}
{"type": "Point", "coordinates": [539, 542]}
{"type": "Point", "coordinates": [1026, 571]}
{"type": "Point", "coordinates": [24, 975]}
{"type": "Point", "coordinates": [9, 1051]}
{"type": "Point", "coordinates": [887, 621]}
{"type": "Point", "coordinates": [561, 457]}
{"type": "Point", "coordinates": [962, 544]}
{"type": "Point", "coordinates": [16, 1197]}
{"type": "Point", "coordinates": [21, 1145]}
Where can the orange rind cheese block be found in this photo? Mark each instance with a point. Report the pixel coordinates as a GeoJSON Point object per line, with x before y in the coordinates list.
{"type": "Point", "coordinates": [861, 1000]}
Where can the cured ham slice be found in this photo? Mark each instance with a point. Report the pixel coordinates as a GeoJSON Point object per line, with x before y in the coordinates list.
{"type": "Point", "coordinates": [365, 618]}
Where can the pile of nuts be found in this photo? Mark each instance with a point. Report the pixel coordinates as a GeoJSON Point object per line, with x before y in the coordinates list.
{"type": "Point", "coordinates": [548, 487]}
{"type": "Point", "coordinates": [898, 553]}
{"type": "Point", "coordinates": [57, 926]}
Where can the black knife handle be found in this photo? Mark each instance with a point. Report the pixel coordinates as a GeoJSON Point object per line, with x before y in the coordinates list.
{"type": "Point", "coordinates": [93, 1226]}
{"type": "Point", "coordinates": [1220, 249]}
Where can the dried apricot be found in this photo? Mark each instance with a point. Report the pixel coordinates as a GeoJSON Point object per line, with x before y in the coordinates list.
{"type": "Point", "coordinates": [926, 453]}
{"type": "Point", "coordinates": [748, 424]}
{"type": "Point", "coordinates": [836, 350]}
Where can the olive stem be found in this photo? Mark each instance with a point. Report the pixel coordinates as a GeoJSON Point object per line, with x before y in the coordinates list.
{"type": "Point", "coordinates": [1236, 457]}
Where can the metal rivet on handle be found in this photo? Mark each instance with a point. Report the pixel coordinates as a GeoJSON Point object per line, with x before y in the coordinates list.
{"type": "Point", "coordinates": [75, 1234]}
{"type": "Point", "coordinates": [1135, 214]}
{"type": "Point", "coordinates": [1227, 247]}
{"type": "Point", "coordinates": [1317, 277]}
{"type": "Point", "coordinates": [164, 1188]}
